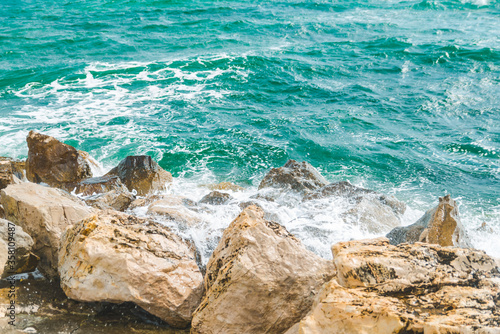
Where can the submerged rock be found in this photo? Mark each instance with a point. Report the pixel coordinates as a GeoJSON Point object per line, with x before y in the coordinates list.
{"type": "Point", "coordinates": [301, 177]}
{"type": "Point", "coordinates": [216, 198]}
{"type": "Point", "coordinates": [224, 186]}
{"type": "Point", "coordinates": [259, 279]}
{"type": "Point", "coordinates": [142, 174]}
{"type": "Point", "coordinates": [43, 213]}
{"type": "Point", "coordinates": [21, 244]}
{"type": "Point", "coordinates": [374, 212]}
{"type": "Point", "coordinates": [55, 163]}
{"type": "Point", "coordinates": [440, 225]}
{"type": "Point", "coordinates": [115, 257]}
{"type": "Point", "coordinates": [410, 288]}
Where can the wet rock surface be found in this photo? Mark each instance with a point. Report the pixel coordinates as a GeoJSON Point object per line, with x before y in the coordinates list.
{"type": "Point", "coordinates": [260, 279]}
{"type": "Point", "coordinates": [43, 213]}
{"type": "Point", "coordinates": [54, 163]}
{"type": "Point", "coordinates": [105, 192]}
{"type": "Point", "coordinates": [216, 198]}
{"type": "Point", "coordinates": [175, 208]}
{"type": "Point", "coordinates": [297, 176]}
{"type": "Point", "coordinates": [409, 288]}
{"type": "Point", "coordinates": [440, 225]}
{"type": "Point", "coordinates": [115, 257]}
{"type": "Point", "coordinates": [43, 308]}
{"type": "Point", "coordinates": [142, 174]}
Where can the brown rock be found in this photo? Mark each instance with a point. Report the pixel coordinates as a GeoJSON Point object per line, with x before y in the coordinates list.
{"type": "Point", "coordinates": [2, 212]}
{"type": "Point", "coordinates": [99, 185]}
{"type": "Point", "coordinates": [440, 225]}
{"type": "Point", "coordinates": [141, 173]}
{"type": "Point", "coordinates": [298, 176]}
{"type": "Point", "coordinates": [409, 288]}
{"type": "Point", "coordinates": [105, 192]}
{"type": "Point", "coordinates": [216, 198]}
{"type": "Point", "coordinates": [54, 163]}
{"type": "Point", "coordinates": [43, 213]}
{"type": "Point", "coordinates": [6, 174]}
{"type": "Point", "coordinates": [21, 244]}
{"type": "Point", "coordinates": [259, 279]}
{"type": "Point", "coordinates": [18, 167]}
{"type": "Point", "coordinates": [117, 258]}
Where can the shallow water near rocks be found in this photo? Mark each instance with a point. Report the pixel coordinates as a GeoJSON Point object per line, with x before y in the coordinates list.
{"type": "Point", "coordinates": [396, 96]}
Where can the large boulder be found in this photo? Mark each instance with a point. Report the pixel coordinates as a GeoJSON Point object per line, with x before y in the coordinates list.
{"type": "Point", "coordinates": [259, 279]}
{"type": "Point", "coordinates": [54, 163]}
{"type": "Point", "coordinates": [115, 257]}
{"type": "Point", "coordinates": [19, 245]}
{"type": "Point", "coordinates": [300, 177]}
{"type": "Point", "coordinates": [43, 213]}
{"type": "Point", "coordinates": [142, 174]}
{"type": "Point", "coordinates": [440, 225]}
{"type": "Point", "coordinates": [409, 288]}
{"type": "Point", "coordinates": [105, 192]}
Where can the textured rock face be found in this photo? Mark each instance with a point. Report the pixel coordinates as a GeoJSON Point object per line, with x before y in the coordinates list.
{"type": "Point", "coordinates": [142, 174]}
{"type": "Point", "coordinates": [43, 213]}
{"type": "Point", "coordinates": [216, 198]}
{"type": "Point", "coordinates": [409, 288]}
{"type": "Point", "coordinates": [105, 192]}
{"type": "Point", "coordinates": [18, 167]}
{"type": "Point", "coordinates": [440, 225]}
{"type": "Point", "coordinates": [22, 243]}
{"type": "Point", "coordinates": [298, 176]}
{"type": "Point", "coordinates": [117, 258]}
{"type": "Point", "coordinates": [6, 174]}
{"type": "Point", "coordinates": [260, 279]}
{"type": "Point", "coordinates": [54, 163]}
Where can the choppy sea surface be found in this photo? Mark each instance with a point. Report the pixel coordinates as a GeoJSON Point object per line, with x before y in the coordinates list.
{"type": "Point", "coordinates": [402, 97]}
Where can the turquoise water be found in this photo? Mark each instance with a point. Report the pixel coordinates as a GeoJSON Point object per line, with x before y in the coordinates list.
{"type": "Point", "coordinates": [399, 96]}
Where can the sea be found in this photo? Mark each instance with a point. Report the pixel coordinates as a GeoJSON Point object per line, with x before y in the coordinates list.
{"type": "Point", "coordinates": [398, 96]}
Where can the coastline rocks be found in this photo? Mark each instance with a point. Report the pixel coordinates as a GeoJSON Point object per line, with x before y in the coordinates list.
{"type": "Point", "coordinates": [376, 213]}
{"type": "Point", "coordinates": [224, 186]}
{"type": "Point", "coordinates": [440, 225]}
{"type": "Point", "coordinates": [216, 198]}
{"type": "Point", "coordinates": [6, 174]}
{"type": "Point", "coordinates": [105, 192]}
{"type": "Point", "coordinates": [301, 177]}
{"type": "Point", "coordinates": [141, 173]}
{"type": "Point", "coordinates": [259, 279]}
{"type": "Point", "coordinates": [22, 243]}
{"type": "Point", "coordinates": [54, 163]}
{"type": "Point", "coordinates": [409, 288]}
{"type": "Point", "coordinates": [176, 208]}
{"type": "Point", "coordinates": [18, 167]}
{"type": "Point", "coordinates": [115, 257]}
{"type": "Point", "coordinates": [43, 213]}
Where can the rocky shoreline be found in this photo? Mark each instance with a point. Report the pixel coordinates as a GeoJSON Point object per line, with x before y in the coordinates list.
{"type": "Point", "coordinates": [84, 262]}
